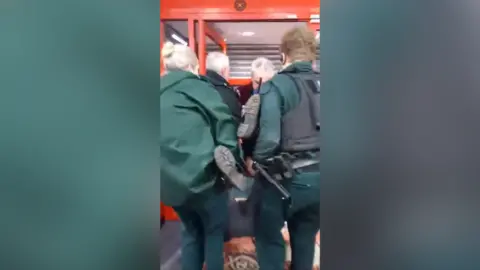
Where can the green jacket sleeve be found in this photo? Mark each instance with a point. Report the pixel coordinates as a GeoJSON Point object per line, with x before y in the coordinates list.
{"type": "Point", "coordinates": [269, 123]}
{"type": "Point", "coordinates": [222, 124]}
{"type": "Point", "coordinates": [219, 117]}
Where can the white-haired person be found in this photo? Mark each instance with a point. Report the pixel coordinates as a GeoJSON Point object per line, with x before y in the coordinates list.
{"type": "Point", "coordinates": [193, 121]}
{"type": "Point", "coordinates": [218, 73]}
{"type": "Point", "coordinates": [262, 70]}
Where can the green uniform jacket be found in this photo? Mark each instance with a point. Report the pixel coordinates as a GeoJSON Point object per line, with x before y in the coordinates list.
{"type": "Point", "coordinates": [278, 96]}
{"type": "Point", "coordinates": [193, 121]}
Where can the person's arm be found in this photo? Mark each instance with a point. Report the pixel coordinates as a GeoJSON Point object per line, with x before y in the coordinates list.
{"type": "Point", "coordinates": [224, 129]}
{"type": "Point", "coordinates": [269, 123]}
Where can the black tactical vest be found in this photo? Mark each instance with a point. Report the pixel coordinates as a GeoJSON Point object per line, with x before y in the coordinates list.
{"type": "Point", "coordinates": [301, 125]}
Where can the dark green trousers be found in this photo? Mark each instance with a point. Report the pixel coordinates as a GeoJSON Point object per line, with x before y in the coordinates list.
{"type": "Point", "coordinates": [204, 222]}
{"type": "Point", "coordinates": [303, 220]}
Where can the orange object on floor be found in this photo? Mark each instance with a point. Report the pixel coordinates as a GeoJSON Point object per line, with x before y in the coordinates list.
{"type": "Point", "coordinates": [239, 253]}
{"type": "Point", "coordinates": [168, 213]}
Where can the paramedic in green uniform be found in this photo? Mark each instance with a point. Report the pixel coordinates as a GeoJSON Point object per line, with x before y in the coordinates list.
{"type": "Point", "coordinates": [289, 122]}
{"type": "Point", "coordinates": [193, 121]}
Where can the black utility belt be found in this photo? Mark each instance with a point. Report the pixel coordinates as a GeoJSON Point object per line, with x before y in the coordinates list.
{"type": "Point", "coordinates": [283, 166]}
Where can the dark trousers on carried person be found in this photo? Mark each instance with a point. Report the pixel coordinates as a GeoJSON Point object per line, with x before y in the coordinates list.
{"type": "Point", "coordinates": [303, 219]}
{"type": "Point", "coordinates": [204, 221]}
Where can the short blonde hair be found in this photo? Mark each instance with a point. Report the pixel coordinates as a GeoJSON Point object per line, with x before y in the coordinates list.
{"type": "Point", "coordinates": [178, 56]}
{"type": "Point", "coordinates": [299, 44]}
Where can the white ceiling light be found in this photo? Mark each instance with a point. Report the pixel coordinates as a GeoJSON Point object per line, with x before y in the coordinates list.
{"type": "Point", "coordinates": [179, 39]}
{"type": "Point", "coordinates": [315, 18]}
{"type": "Point", "coordinates": [247, 34]}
